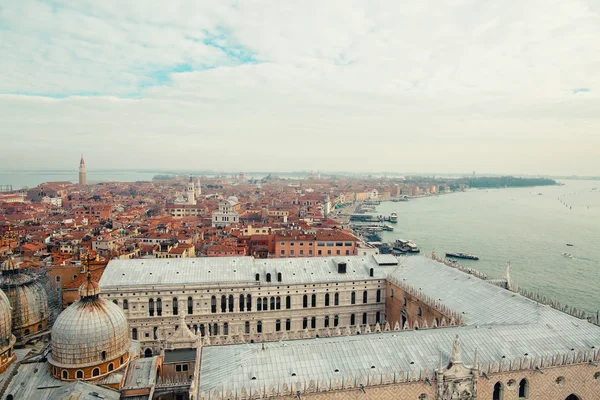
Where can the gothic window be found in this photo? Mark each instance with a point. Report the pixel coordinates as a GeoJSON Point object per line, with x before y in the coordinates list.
{"type": "Point", "coordinates": [353, 298]}
{"type": "Point", "coordinates": [371, 272]}
{"type": "Point", "coordinates": [175, 306]}
{"type": "Point", "coordinates": [151, 307]}
{"type": "Point", "coordinates": [134, 334]}
{"type": "Point", "coordinates": [377, 317]}
{"type": "Point", "coordinates": [279, 277]}
{"type": "Point", "coordinates": [420, 312]}
{"type": "Point", "coordinates": [498, 391]}
{"type": "Point", "coordinates": [304, 323]}
{"type": "Point", "coordinates": [365, 297]}
{"type": "Point", "coordinates": [288, 302]}
{"type": "Point", "coordinates": [191, 305]}
{"type": "Point", "coordinates": [364, 318]}
{"type": "Point", "coordinates": [313, 300]}
{"type": "Point", "coordinates": [125, 305]}
{"type": "Point", "coordinates": [225, 329]}
{"type": "Point", "coordinates": [230, 303]}
{"type": "Point", "coordinates": [278, 325]}
{"type": "Point", "coordinates": [223, 303]}
{"type": "Point", "coordinates": [278, 303]}
{"type": "Point", "coordinates": [268, 277]}
{"type": "Point", "coordinates": [404, 301]}
{"type": "Point", "coordinates": [242, 300]}
{"type": "Point", "coordinates": [259, 327]}
{"type": "Point", "coordinates": [202, 331]}
{"type": "Point", "coordinates": [305, 301]}
{"type": "Point", "coordinates": [523, 389]}
{"type": "Point", "coordinates": [249, 302]}
{"type": "Point", "coordinates": [378, 296]}
{"type": "Point", "coordinates": [103, 355]}
{"type": "Point", "coordinates": [336, 299]}
{"type": "Point", "coordinates": [215, 329]}
{"type": "Point", "coordinates": [326, 299]}
{"type": "Point", "coordinates": [272, 303]}
{"type": "Point", "coordinates": [213, 304]}
{"type": "Point", "coordinates": [352, 319]}
{"type": "Point", "coordinates": [259, 304]}
{"type": "Point", "coordinates": [65, 375]}
{"type": "Point", "coordinates": [265, 304]}
{"type": "Point", "coordinates": [313, 322]}
{"type": "Point", "coordinates": [257, 277]}
{"type": "Point", "coordinates": [288, 324]}
{"type": "Point", "coordinates": [326, 322]}
{"type": "Point", "coordinates": [158, 307]}
{"type": "Point", "coordinates": [247, 327]}
{"type": "Point", "coordinates": [336, 320]}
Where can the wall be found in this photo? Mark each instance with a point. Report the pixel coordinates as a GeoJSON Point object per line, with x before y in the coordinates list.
{"type": "Point", "coordinates": [394, 308]}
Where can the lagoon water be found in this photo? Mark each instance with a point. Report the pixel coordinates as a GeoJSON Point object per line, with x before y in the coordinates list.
{"type": "Point", "coordinates": [528, 227]}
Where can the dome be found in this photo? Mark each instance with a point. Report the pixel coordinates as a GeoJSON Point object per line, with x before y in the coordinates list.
{"type": "Point", "coordinates": [5, 319]}
{"type": "Point", "coordinates": [28, 299]}
{"type": "Point", "coordinates": [89, 332]}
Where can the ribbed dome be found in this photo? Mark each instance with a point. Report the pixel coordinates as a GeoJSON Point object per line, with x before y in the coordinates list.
{"type": "Point", "coordinates": [28, 299]}
{"type": "Point", "coordinates": [85, 330]}
{"type": "Point", "coordinates": [89, 289]}
{"type": "Point", "coordinates": [5, 332]}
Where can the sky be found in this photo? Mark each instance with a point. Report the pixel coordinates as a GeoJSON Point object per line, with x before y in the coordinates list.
{"type": "Point", "coordinates": [420, 86]}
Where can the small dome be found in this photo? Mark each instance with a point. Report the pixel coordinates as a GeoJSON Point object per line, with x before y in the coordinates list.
{"type": "Point", "coordinates": [89, 289]}
{"type": "Point", "coordinates": [5, 319]}
{"type": "Point", "coordinates": [28, 299]}
{"type": "Point", "coordinates": [89, 332]}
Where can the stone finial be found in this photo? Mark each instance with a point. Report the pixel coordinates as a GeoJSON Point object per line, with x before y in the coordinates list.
{"type": "Point", "coordinates": [441, 361]}
{"type": "Point", "coordinates": [507, 276]}
{"type": "Point", "coordinates": [456, 359]}
{"type": "Point", "coordinates": [475, 360]}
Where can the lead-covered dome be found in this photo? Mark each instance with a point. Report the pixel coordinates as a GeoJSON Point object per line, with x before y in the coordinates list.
{"type": "Point", "coordinates": [5, 319]}
{"type": "Point", "coordinates": [28, 300]}
{"type": "Point", "coordinates": [90, 332]}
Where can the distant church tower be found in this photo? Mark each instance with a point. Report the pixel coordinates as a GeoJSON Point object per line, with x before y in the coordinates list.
{"type": "Point", "coordinates": [191, 193]}
{"type": "Point", "coordinates": [198, 188]}
{"type": "Point", "coordinates": [82, 174]}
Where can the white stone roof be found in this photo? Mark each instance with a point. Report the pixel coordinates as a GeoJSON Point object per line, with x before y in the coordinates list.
{"type": "Point", "coordinates": [500, 324]}
{"type": "Point", "coordinates": [216, 270]}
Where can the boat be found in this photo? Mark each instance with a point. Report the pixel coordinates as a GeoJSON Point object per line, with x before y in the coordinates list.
{"type": "Point", "coordinates": [570, 244]}
{"type": "Point", "coordinates": [406, 246]}
{"type": "Point", "coordinates": [394, 217]}
{"type": "Point", "coordinates": [464, 256]}
{"type": "Point", "coordinates": [388, 228]}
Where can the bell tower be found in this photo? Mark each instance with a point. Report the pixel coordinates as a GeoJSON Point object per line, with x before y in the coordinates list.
{"type": "Point", "coordinates": [82, 173]}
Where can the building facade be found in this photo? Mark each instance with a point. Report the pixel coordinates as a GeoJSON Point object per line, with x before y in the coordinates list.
{"type": "Point", "coordinates": [225, 216]}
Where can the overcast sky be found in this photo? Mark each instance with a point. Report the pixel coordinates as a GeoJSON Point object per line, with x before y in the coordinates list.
{"type": "Point", "coordinates": [494, 86]}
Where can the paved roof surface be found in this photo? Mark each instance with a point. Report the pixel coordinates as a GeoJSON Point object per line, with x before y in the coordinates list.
{"type": "Point", "coordinates": [141, 373]}
{"type": "Point", "coordinates": [214, 270]}
{"type": "Point", "coordinates": [499, 323]}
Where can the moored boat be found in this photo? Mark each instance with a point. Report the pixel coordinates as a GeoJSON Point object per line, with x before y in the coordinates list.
{"type": "Point", "coordinates": [464, 256]}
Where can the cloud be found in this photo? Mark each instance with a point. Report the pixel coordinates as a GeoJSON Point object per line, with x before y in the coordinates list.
{"type": "Point", "coordinates": [234, 85]}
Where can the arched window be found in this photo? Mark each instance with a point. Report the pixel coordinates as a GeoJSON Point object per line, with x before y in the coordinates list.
{"type": "Point", "coordinates": [573, 397]}
{"type": "Point", "coordinates": [242, 301]}
{"type": "Point", "coordinates": [155, 333]}
{"type": "Point", "coordinates": [27, 331]}
{"type": "Point", "coordinates": [57, 278]}
{"type": "Point", "coordinates": [257, 277]}
{"type": "Point", "coordinates": [352, 319]}
{"type": "Point", "coordinates": [151, 307]}
{"type": "Point", "coordinates": [277, 325]}
{"type": "Point", "coordinates": [392, 293]}
{"type": "Point", "coordinates": [111, 367]}
{"type": "Point", "coordinates": [313, 322]}
{"type": "Point", "coordinates": [158, 307]}
{"type": "Point", "coordinates": [65, 374]}
{"type": "Point", "coordinates": [353, 298]}
{"type": "Point", "coordinates": [304, 323]}
{"type": "Point", "coordinates": [175, 306]}
{"type": "Point", "coordinates": [326, 299]}
{"type": "Point", "coordinates": [202, 330]}
{"type": "Point", "coordinates": [272, 303]}
{"type": "Point", "coordinates": [313, 300]}
{"type": "Point", "coordinates": [125, 305]}
{"type": "Point", "coordinates": [365, 295]}
{"type": "Point", "coordinates": [288, 324]}
{"type": "Point", "coordinates": [121, 360]}
{"type": "Point", "coordinates": [404, 301]}
{"type": "Point", "coordinates": [278, 303]}
{"type": "Point", "coordinates": [134, 334]}
{"type": "Point", "coordinates": [268, 277]}
{"type": "Point", "coordinates": [378, 296]}
{"type": "Point", "coordinates": [191, 305]}
{"type": "Point", "coordinates": [336, 299]}
{"type": "Point", "coordinates": [96, 372]}
{"type": "Point", "coordinates": [215, 329]}
{"type": "Point", "coordinates": [279, 277]}
{"type": "Point", "coordinates": [265, 304]}
{"type": "Point", "coordinates": [288, 302]}
{"type": "Point", "coordinates": [336, 320]}
{"type": "Point", "coordinates": [225, 329]}
{"type": "Point", "coordinates": [249, 302]}
{"type": "Point", "coordinates": [79, 374]}
{"type": "Point", "coordinates": [523, 389]}
{"type": "Point", "coordinates": [259, 327]}
{"type": "Point", "coordinates": [247, 327]}
{"type": "Point", "coordinates": [377, 317]}
{"type": "Point", "coordinates": [498, 391]}
{"type": "Point", "coordinates": [371, 272]}
{"type": "Point", "coordinates": [116, 302]}
{"type": "Point", "coordinates": [103, 355]}
{"type": "Point", "coordinates": [230, 303]}
{"type": "Point", "coordinates": [326, 322]}
{"type": "Point", "coordinates": [305, 301]}
{"type": "Point", "coordinates": [223, 303]}
{"type": "Point", "coordinates": [148, 353]}
{"type": "Point", "coordinates": [420, 312]}
{"type": "Point", "coordinates": [364, 319]}
{"type": "Point", "coordinates": [259, 304]}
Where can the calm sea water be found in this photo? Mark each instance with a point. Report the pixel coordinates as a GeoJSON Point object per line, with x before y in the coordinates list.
{"type": "Point", "coordinates": [517, 225]}
{"type": "Point", "coordinates": [32, 178]}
